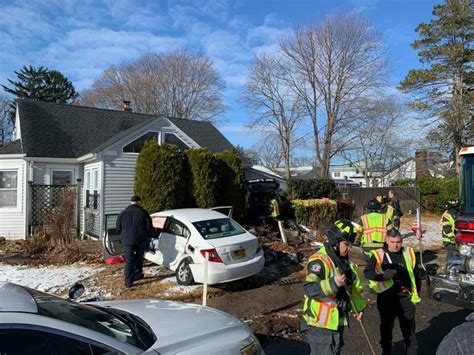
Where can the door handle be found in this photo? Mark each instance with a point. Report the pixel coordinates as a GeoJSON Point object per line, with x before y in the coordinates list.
{"type": "Point", "coordinates": [190, 248]}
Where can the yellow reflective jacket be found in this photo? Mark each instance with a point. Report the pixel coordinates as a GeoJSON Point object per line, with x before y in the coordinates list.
{"type": "Point", "coordinates": [322, 312]}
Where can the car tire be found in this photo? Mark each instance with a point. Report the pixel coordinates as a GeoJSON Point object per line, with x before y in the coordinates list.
{"type": "Point", "coordinates": [184, 276]}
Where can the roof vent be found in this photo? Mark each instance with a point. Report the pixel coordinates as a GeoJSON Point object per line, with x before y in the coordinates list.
{"type": "Point", "coordinates": [126, 106]}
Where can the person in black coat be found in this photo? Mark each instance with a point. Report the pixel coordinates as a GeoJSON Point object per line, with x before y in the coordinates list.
{"type": "Point", "coordinates": [135, 228]}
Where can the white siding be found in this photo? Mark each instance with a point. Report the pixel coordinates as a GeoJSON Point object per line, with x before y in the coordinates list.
{"type": "Point", "coordinates": [13, 222]}
{"type": "Point", "coordinates": [118, 182]}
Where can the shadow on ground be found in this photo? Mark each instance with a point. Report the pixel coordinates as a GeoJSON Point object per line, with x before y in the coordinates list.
{"type": "Point", "coordinates": [439, 326]}
{"type": "Point", "coordinates": [282, 346]}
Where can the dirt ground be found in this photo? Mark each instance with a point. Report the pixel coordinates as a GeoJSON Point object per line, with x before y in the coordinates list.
{"type": "Point", "coordinates": [270, 302]}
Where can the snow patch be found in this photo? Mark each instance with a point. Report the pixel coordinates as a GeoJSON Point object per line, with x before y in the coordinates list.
{"type": "Point", "coordinates": [53, 279]}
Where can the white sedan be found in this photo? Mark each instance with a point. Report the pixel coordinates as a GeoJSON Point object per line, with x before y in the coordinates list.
{"type": "Point", "coordinates": [33, 322]}
{"type": "Point", "coordinates": [186, 235]}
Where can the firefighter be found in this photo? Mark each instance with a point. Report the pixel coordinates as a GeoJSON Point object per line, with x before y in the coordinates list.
{"type": "Point", "coordinates": [448, 225]}
{"type": "Point", "coordinates": [397, 210]}
{"type": "Point", "coordinates": [387, 209]}
{"type": "Point", "coordinates": [331, 278]}
{"type": "Point", "coordinates": [393, 274]}
{"type": "Point", "coordinates": [374, 227]}
{"type": "Point", "coordinates": [275, 206]}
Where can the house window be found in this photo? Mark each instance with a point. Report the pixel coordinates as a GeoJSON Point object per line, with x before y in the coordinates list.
{"type": "Point", "coordinates": [357, 171]}
{"type": "Point", "coordinates": [171, 138]}
{"type": "Point", "coordinates": [61, 177]}
{"type": "Point", "coordinates": [137, 145]}
{"type": "Point", "coordinates": [8, 188]}
{"type": "Point", "coordinates": [337, 174]}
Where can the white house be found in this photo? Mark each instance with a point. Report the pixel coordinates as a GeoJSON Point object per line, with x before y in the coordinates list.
{"type": "Point", "coordinates": [97, 149]}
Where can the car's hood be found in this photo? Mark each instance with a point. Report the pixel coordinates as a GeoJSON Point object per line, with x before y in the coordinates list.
{"type": "Point", "coordinates": [174, 324]}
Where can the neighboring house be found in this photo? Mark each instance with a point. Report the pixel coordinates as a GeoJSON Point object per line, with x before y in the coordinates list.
{"type": "Point", "coordinates": [348, 172]}
{"type": "Point", "coordinates": [57, 144]}
{"type": "Point", "coordinates": [437, 167]}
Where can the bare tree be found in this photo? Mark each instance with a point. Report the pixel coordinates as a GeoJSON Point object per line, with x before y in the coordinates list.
{"type": "Point", "coordinates": [269, 154]}
{"type": "Point", "coordinates": [276, 109]}
{"type": "Point", "coordinates": [6, 124]}
{"type": "Point", "coordinates": [178, 84]}
{"type": "Point", "coordinates": [333, 63]}
{"type": "Point", "coordinates": [376, 145]}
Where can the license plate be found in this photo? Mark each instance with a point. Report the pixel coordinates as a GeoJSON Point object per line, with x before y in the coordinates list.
{"type": "Point", "coordinates": [239, 254]}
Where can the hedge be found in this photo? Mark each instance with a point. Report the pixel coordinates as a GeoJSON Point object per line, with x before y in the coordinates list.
{"type": "Point", "coordinates": [162, 177]}
{"type": "Point", "coordinates": [314, 212]}
{"type": "Point", "coordinates": [312, 189]}
{"type": "Point", "coordinates": [437, 192]}
{"type": "Point", "coordinates": [205, 169]}
{"type": "Point", "coordinates": [232, 182]}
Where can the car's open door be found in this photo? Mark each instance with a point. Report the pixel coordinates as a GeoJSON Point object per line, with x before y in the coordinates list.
{"type": "Point", "coordinates": [227, 210]}
{"type": "Point", "coordinates": [112, 244]}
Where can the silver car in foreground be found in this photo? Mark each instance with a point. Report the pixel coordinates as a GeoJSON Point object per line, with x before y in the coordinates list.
{"type": "Point", "coordinates": [34, 322]}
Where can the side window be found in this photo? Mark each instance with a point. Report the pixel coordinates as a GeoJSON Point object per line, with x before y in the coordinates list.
{"type": "Point", "coordinates": [177, 228]}
{"type": "Point", "coordinates": [42, 342]}
{"type": "Point", "coordinates": [171, 138]}
{"type": "Point", "coordinates": [137, 145]}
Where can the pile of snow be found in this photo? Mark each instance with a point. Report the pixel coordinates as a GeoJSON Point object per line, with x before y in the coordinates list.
{"type": "Point", "coordinates": [432, 239]}
{"type": "Point", "coordinates": [53, 279]}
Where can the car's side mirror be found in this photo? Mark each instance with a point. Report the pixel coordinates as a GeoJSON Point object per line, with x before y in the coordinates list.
{"type": "Point", "coordinates": [76, 291]}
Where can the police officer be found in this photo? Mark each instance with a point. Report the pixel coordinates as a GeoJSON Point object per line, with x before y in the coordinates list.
{"type": "Point", "coordinates": [448, 227]}
{"type": "Point", "coordinates": [393, 274]}
{"type": "Point", "coordinates": [331, 278]}
{"type": "Point", "coordinates": [135, 228]}
{"type": "Point", "coordinates": [374, 227]}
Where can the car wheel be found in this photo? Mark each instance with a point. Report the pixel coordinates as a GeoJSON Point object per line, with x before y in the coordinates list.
{"type": "Point", "coordinates": [184, 276]}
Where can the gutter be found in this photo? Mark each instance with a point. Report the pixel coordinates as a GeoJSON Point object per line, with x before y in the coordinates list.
{"type": "Point", "coordinates": [12, 156]}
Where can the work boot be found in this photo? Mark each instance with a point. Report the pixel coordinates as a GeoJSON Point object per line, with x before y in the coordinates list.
{"type": "Point", "coordinates": [138, 277]}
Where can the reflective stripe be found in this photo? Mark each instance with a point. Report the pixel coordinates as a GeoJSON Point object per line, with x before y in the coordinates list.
{"type": "Point", "coordinates": [379, 286]}
{"type": "Point", "coordinates": [375, 229]}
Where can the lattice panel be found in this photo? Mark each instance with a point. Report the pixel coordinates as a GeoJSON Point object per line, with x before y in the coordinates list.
{"type": "Point", "coordinates": [44, 198]}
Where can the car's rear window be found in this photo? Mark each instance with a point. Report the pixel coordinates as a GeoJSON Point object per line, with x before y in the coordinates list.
{"type": "Point", "coordinates": [218, 228]}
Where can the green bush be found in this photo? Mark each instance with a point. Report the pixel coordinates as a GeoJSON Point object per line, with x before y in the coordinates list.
{"type": "Point", "coordinates": [162, 177]}
{"type": "Point", "coordinates": [437, 192]}
{"type": "Point", "coordinates": [314, 212]}
{"type": "Point", "coordinates": [205, 170]}
{"type": "Point", "coordinates": [231, 181]}
{"type": "Point", "coordinates": [312, 189]}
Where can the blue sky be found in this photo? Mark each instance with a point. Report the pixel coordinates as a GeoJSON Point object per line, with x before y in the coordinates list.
{"type": "Point", "coordinates": [82, 38]}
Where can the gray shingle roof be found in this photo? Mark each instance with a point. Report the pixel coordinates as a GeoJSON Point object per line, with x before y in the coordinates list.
{"type": "Point", "coordinates": [66, 131]}
{"type": "Point", "coordinates": [11, 148]}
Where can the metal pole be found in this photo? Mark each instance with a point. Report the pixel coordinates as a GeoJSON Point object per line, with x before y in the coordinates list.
{"type": "Point", "coordinates": [204, 288]}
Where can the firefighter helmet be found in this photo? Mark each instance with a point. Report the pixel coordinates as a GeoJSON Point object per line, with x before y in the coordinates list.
{"type": "Point", "coordinates": [373, 206]}
{"type": "Point", "coordinates": [342, 230]}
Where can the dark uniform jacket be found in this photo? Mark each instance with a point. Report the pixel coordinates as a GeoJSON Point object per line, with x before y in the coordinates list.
{"type": "Point", "coordinates": [134, 225]}
{"type": "Point", "coordinates": [401, 280]}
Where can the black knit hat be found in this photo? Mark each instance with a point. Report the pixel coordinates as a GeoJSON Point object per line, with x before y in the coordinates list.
{"type": "Point", "coordinates": [135, 198]}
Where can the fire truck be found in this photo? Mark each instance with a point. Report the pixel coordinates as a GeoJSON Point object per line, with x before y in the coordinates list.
{"type": "Point", "coordinates": [456, 286]}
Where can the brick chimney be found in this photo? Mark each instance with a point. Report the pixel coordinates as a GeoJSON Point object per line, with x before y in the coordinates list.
{"type": "Point", "coordinates": [126, 106]}
{"type": "Point", "coordinates": [421, 163]}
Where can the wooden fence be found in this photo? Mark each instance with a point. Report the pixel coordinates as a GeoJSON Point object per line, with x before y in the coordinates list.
{"type": "Point", "coordinates": [409, 197]}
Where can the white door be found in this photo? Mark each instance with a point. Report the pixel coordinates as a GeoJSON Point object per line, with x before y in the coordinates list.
{"type": "Point", "coordinates": [172, 243]}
